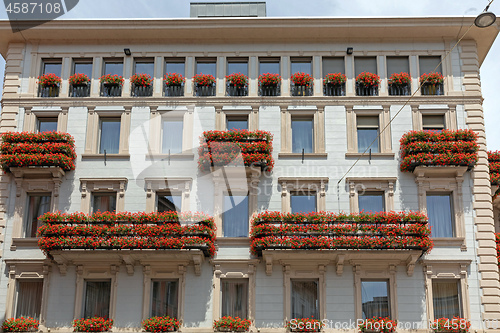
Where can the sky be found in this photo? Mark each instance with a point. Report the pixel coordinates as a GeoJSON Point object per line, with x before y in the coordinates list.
{"type": "Point", "coordinates": [490, 72]}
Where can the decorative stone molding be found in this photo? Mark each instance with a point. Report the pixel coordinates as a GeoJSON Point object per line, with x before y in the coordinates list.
{"type": "Point", "coordinates": [95, 185]}
{"type": "Point", "coordinates": [361, 184]}
{"type": "Point", "coordinates": [317, 185]}
{"type": "Point", "coordinates": [173, 185]}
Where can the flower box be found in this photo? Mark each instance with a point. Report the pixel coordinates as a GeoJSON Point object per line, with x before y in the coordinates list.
{"type": "Point", "coordinates": [111, 85]}
{"type": "Point", "coordinates": [432, 83]}
{"type": "Point", "coordinates": [22, 324]}
{"type": "Point", "coordinates": [367, 84]}
{"type": "Point", "coordinates": [267, 91]}
{"type": "Point", "coordinates": [142, 85]}
{"type": "Point", "coordinates": [494, 165]}
{"type": "Point", "coordinates": [378, 324]}
{"type": "Point", "coordinates": [231, 324]}
{"type": "Point", "coordinates": [432, 89]}
{"type": "Point", "coordinates": [269, 84]}
{"type": "Point", "coordinates": [399, 84]}
{"type": "Point", "coordinates": [79, 90]}
{"type": "Point", "coordinates": [236, 84]}
{"type": "Point", "coordinates": [95, 324]}
{"type": "Point", "coordinates": [141, 91]}
{"type": "Point", "coordinates": [204, 85]}
{"type": "Point", "coordinates": [161, 324]}
{"type": "Point", "coordinates": [333, 90]}
{"type": "Point", "coordinates": [48, 85]}
{"type": "Point", "coordinates": [50, 91]}
{"type": "Point", "coordinates": [399, 90]}
{"type": "Point", "coordinates": [301, 84]}
{"type": "Point", "coordinates": [455, 325]}
{"type": "Point", "coordinates": [174, 91]}
{"type": "Point", "coordinates": [334, 84]}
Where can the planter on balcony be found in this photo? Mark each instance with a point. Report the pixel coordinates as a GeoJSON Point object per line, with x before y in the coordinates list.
{"type": "Point", "coordinates": [367, 84]}
{"type": "Point", "coordinates": [432, 83]}
{"type": "Point", "coordinates": [236, 84]}
{"type": "Point", "coordinates": [334, 90]}
{"type": "Point", "coordinates": [50, 91]}
{"type": "Point", "coordinates": [446, 148]}
{"type": "Point", "coordinates": [79, 90]}
{"type": "Point", "coordinates": [494, 164]}
{"type": "Point", "coordinates": [301, 90]}
{"type": "Point", "coordinates": [204, 91]}
{"type": "Point", "coordinates": [334, 84]}
{"type": "Point", "coordinates": [324, 230]}
{"type": "Point", "coordinates": [95, 324]}
{"type": "Point", "coordinates": [235, 148]}
{"type": "Point", "coordinates": [231, 324]}
{"type": "Point", "coordinates": [22, 324]}
{"type": "Point", "coordinates": [232, 90]}
{"type": "Point", "coordinates": [269, 91]}
{"type": "Point", "coordinates": [396, 90]}
{"type": "Point", "coordinates": [204, 85]}
{"type": "Point", "coordinates": [141, 91]}
{"type": "Point", "coordinates": [111, 90]}
{"type": "Point", "coordinates": [363, 90]}
{"type": "Point", "coordinates": [455, 325]}
{"type": "Point", "coordinates": [48, 85]}
{"type": "Point", "coordinates": [24, 149]}
{"type": "Point", "coordinates": [399, 84]}
{"type": "Point", "coordinates": [130, 231]}
{"type": "Point", "coordinates": [174, 91]}
{"type": "Point", "coordinates": [161, 324]}
{"type": "Point", "coordinates": [269, 84]}
{"type": "Point", "coordinates": [432, 89]}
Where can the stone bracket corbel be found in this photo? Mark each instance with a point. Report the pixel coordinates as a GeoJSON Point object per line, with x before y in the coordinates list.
{"type": "Point", "coordinates": [269, 265]}
{"type": "Point", "coordinates": [410, 264]}
{"type": "Point", "coordinates": [197, 260]}
{"type": "Point", "coordinates": [129, 264]}
{"type": "Point", "coordinates": [340, 264]}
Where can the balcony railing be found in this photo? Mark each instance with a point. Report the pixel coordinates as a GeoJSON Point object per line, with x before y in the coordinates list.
{"type": "Point", "coordinates": [52, 91]}
{"type": "Point", "coordinates": [48, 149]}
{"type": "Point", "coordinates": [270, 91]}
{"type": "Point", "coordinates": [333, 90]}
{"type": "Point", "coordinates": [127, 231]}
{"type": "Point", "coordinates": [204, 91]}
{"type": "Point", "coordinates": [395, 90]}
{"type": "Point", "coordinates": [141, 91]}
{"type": "Point", "coordinates": [301, 90]}
{"type": "Point", "coordinates": [232, 90]}
{"type": "Point", "coordinates": [429, 89]}
{"type": "Point", "coordinates": [79, 90]}
{"type": "Point", "coordinates": [329, 231]}
{"type": "Point", "coordinates": [111, 90]}
{"type": "Point", "coordinates": [173, 91]}
{"type": "Point", "coordinates": [362, 90]}
{"type": "Point", "coordinates": [431, 148]}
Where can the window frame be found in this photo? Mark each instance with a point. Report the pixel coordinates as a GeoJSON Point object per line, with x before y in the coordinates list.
{"type": "Point", "coordinates": [84, 299]}
{"type": "Point", "coordinates": [301, 60]}
{"type": "Point", "coordinates": [170, 185]}
{"type": "Point", "coordinates": [448, 111]}
{"type": "Point", "coordinates": [292, 280]}
{"type": "Point", "coordinates": [289, 185]}
{"type": "Point", "coordinates": [143, 60]}
{"type": "Point", "coordinates": [371, 184]}
{"type": "Point", "coordinates": [113, 60]}
{"type": "Point", "coordinates": [358, 127]}
{"type": "Point", "coordinates": [32, 114]}
{"type": "Point", "coordinates": [457, 283]}
{"type": "Point", "coordinates": [55, 61]}
{"type": "Point", "coordinates": [374, 193]}
{"type": "Point", "coordinates": [249, 112]}
{"type": "Point", "coordinates": [95, 194]}
{"type": "Point", "coordinates": [452, 210]}
{"type": "Point", "coordinates": [313, 135]}
{"type": "Point", "coordinates": [99, 141]}
{"type": "Point", "coordinates": [246, 281]}
{"type": "Point", "coordinates": [177, 279]}
{"type": "Point", "coordinates": [387, 281]}
{"type": "Point", "coordinates": [89, 186]}
{"type": "Point", "coordinates": [318, 116]}
{"type": "Point", "coordinates": [29, 195]}
{"type": "Point", "coordinates": [273, 60]}
{"type": "Point", "coordinates": [236, 193]}
{"type": "Point", "coordinates": [175, 193]}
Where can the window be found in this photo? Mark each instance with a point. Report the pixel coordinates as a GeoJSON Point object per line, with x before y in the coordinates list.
{"type": "Point", "coordinates": [397, 65]}
{"type": "Point", "coordinates": [333, 65]}
{"type": "Point", "coordinates": [375, 299]}
{"type": "Point", "coordinates": [269, 65]}
{"type": "Point", "coordinates": [144, 66]}
{"type": "Point", "coordinates": [109, 129]}
{"type": "Point", "coordinates": [103, 202]}
{"type": "Point", "coordinates": [172, 131]}
{"type": "Point", "coordinates": [29, 298]}
{"type": "Point", "coordinates": [433, 122]}
{"type": "Point", "coordinates": [38, 204]}
{"type": "Point", "coordinates": [113, 67]}
{"type": "Point", "coordinates": [175, 65]}
{"type": "Point", "coordinates": [237, 65]}
{"type": "Point", "coordinates": [428, 64]}
{"type": "Point", "coordinates": [371, 202]}
{"type": "Point", "coordinates": [303, 65]}
{"type": "Point", "coordinates": [305, 303]}
{"type": "Point", "coordinates": [97, 299]}
{"type": "Point", "coordinates": [368, 130]}
{"type": "Point", "coordinates": [46, 124]}
{"type": "Point", "coordinates": [365, 64]}
{"type": "Point", "coordinates": [234, 298]}
{"type": "Point", "coordinates": [168, 202]}
{"type": "Point", "coordinates": [52, 66]}
{"type": "Point", "coordinates": [206, 66]}
{"type": "Point", "coordinates": [235, 216]}
{"type": "Point", "coordinates": [302, 135]}
{"type": "Point", "coordinates": [164, 298]}
{"type": "Point", "coordinates": [439, 211]}
{"type": "Point", "coordinates": [83, 66]}
{"type": "Point", "coordinates": [446, 298]}
{"type": "Point", "coordinates": [303, 202]}
{"type": "Point", "coordinates": [236, 122]}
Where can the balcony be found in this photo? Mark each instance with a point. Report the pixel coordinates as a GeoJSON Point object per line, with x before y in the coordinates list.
{"type": "Point", "coordinates": [204, 91]}
{"type": "Point", "coordinates": [432, 89]}
{"type": "Point", "coordinates": [82, 90]}
{"type": "Point", "coordinates": [235, 148]}
{"type": "Point", "coordinates": [236, 91]}
{"type": "Point", "coordinates": [173, 91]}
{"type": "Point", "coordinates": [301, 90]}
{"type": "Point", "coordinates": [362, 90]}
{"type": "Point", "coordinates": [50, 91]}
{"type": "Point", "coordinates": [438, 149]}
{"type": "Point", "coordinates": [267, 91]}
{"type": "Point", "coordinates": [399, 90]}
{"type": "Point", "coordinates": [48, 149]}
{"type": "Point", "coordinates": [334, 90]}
{"type": "Point", "coordinates": [141, 91]}
{"type": "Point", "coordinates": [76, 232]}
{"type": "Point", "coordinates": [111, 90]}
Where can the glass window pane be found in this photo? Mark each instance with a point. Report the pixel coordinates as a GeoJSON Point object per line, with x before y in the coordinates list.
{"type": "Point", "coordinates": [38, 204]}
{"type": "Point", "coordinates": [371, 202]}
{"type": "Point", "coordinates": [237, 67]}
{"type": "Point", "coordinates": [269, 66]}
{"type": "Point", "coordinates": [365, 137]}
{"type": "Point", "coordinates": [206, 68]}
{"type": "Point", "coordinates": [303, 202]}
{"type": "Point", "coordinates": [164, 299]}
{"type": "Point", "coordinates": [440, 215]}
{"type": "Point", "coordinates": [428, 64]}
{"type": "Point", "coordinates": [177, 66]}
{"type": "Point", "coordinates": [235, 216]}
{"type": "Point", "coordinates": [113, 68]}
{"type": "Point", "coordinates": [446, 299]}
{"type": "Point", "coordinates": [375, 299]}
{"type": "Point", "coordinates": [433, 122]}
{"type": "Point", "coordinates": [110, 136]}
{"type": "Point", "coordinates": [169, 202]}
{"type": "Point", "coordinates": [397, 65]}
{"type": "Point", "coordinates": [51, 67]}
{"type": "Point", "coordinates": [365, 64]}
{"type": "Point", "coordinates": [239, 124]}
{"type": "Point", "coordinates": [97, 297]}
{"type": "Point", "coordinates": [83, 68]}
{"type": "Point", "coordinates": [304, 66]}
{"type": "Point", "coordinates": [104, 202]}
{"type": "Point", "coordinates": [172, 136]}
{"type": "Point", "coordinates": [302, 135]}
{"type": "Point", "coordinates": [29, 298]}
{"type": "Point", "coordinates": [235, 298]}
{"type": "Point", "coordinates": [145, 67]}
{"type": "Point", "coordinates": [305, 302]}
{"type": "Point", "coordinates": [47, 125]}
{"type": "Point", "coordinates": [333, 65]}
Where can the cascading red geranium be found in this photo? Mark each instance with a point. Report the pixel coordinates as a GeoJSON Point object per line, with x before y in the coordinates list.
{"type": "Point", "coordinates": [95, 324]}
{"type": "Point", "coordinates": [399, 79]}
{"type": "Point", "coordinates": [494, 164]}
{"type": "Point", "coordinates": [432, 78]}
{"type": "Point", "coordinates": [454, 325]}
{"type": "Point", "coordinates": [204, 80]}
{"type": "Point", "coordinates": [21, 324]}
{"type": "Point", "coordinates": [49, 80]}
{"type": "Point", "coordinates": [302, 79]}
{"type": "Point", "coordinates": [161, 324]}
{"type": "Point", "coordinates": [238, 80]}
{"type": "Point", "coordinates": [368, 79]}
{"type": "Point", "coordinates": [335, 79]}
{"type": "Point", "coordinates": [112, 79]}
{"type": "Point", "coordinates": [78, 79]}
{"type": "Point", "coordinates": [174, 79]}
{"type": "Point", "coordinates": [232, 324]}
{"type": "Point", "coordinates": [141, 80]}
{"type": "Point", "coordinates": [269, 80]}
{"type": "Point", "coordinates": [497, 239]}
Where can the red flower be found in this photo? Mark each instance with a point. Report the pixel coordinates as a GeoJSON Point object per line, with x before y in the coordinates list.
{"type": "Point", "coordinates": [368, 79]}
{"type": "Point", "coordinates": [141, 80]}
{"type": "Point", "coordinates": [78, 79]}
{"type": "Point", "coordinates": [302, 79]}
{"type": "Point", "coordinates": [49, 80]}
{"type": "Point", "coordinates": [173, 79]}
{"type": "Point", "coordinates": [335, 79]}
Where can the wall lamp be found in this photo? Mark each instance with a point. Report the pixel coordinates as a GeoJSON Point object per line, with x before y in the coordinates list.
{"type": "Point", "coordinates": [349, 50]}
{"type": "Point", "coordinates": [127, 52]}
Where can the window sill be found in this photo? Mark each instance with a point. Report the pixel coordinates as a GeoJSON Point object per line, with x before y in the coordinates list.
{"type": "Point", "coordinates": [306, 155]}
{"type": "Point", "coordinates": [450, 242]}
{"type": "Point", "coordinates": [367, 155]}
{"type": "Point", "coordinates": [181, 156]}
{"type": "Point", "coordinates": [29, 242]}
{"type": "Point", "coordinates": [100, 157]}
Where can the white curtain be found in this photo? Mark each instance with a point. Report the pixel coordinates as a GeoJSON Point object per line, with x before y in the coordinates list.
{"type": "Point", "coordinates": [29, 299]}
{"type": "Point", "coordinates": [303, 203]}
{"type": "Point", "coordinates": [445, 298]}
{"type": "Point", "coordinates": [104, 202]}
{"type": "Point", "coordinates": [172, 136]}
{"type": "Point", "coordinates": [371, 202]}
{"type": "Point", "coordinates": [375, 299]}
{"type": "Point", "coordinates": [440, 217]}
{"type": "Point", "coordinates": [235, 298]}
{"type": "Point", "coordinates": [97, 297]}
{"type": "Point", "coordinates": [235, 216]}
{"type": "Point", "coordinates": [37, 206]}
{"type": "Point", "coordinates": [305, 299]}
{"type": "Point", "coordinates": [110, 136]}
{"type": "Point", "coordinates": [164, 300]}
{"type": "Point", "coordinates": [366, 137]}
{"type": "Point", "coordinates": [302, 136]}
